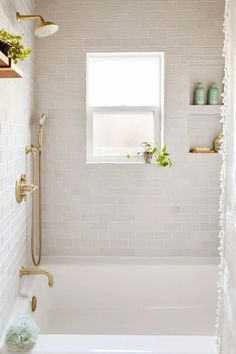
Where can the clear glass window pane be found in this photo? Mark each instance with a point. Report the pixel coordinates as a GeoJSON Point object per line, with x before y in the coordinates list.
{"type": "Point", "coordinates": [117, 134]}
{"type": "Point", "coordinates": [123, 80]}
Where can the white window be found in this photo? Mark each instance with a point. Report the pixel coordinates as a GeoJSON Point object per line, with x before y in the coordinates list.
{"type": "Point", "coordinates": [124, 104]}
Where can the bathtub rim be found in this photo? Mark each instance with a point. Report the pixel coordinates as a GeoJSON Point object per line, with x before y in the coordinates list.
{"type": "Point", "coordinates": [128, 260]}
{"type": "Point", "coordinates": [121, 344]}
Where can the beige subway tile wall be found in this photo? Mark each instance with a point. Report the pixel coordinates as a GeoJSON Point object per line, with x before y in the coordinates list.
{"type": "Point", "coordinates": [128, 209]}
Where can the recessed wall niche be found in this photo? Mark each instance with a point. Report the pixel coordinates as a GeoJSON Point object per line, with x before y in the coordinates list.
{"type": "Point", "coordinates": [204, 120]}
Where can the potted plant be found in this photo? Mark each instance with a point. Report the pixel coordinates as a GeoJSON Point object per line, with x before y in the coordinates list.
{"type": "Point", "coordinates": [11, 45]}
{"type": "Point", "coordinates": [150, 152]}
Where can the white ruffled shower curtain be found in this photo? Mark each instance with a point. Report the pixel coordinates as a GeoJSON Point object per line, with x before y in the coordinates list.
{"type": "Point", "coordinates": [226, 313]}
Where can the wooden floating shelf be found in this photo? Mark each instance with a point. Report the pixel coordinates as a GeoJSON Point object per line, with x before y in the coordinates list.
{"type": "Point", "coordinates": [8, 70]}
{"type": "Point", "coordinates": [205, 109]}
{"type": "Point", "coordinates": [4, 61]}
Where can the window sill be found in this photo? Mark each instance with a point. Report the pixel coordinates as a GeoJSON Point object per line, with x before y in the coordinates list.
{"type": "Point", "coordinates": [119, 163]}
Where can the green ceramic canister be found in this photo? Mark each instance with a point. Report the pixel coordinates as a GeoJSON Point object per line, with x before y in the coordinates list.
{"type": "Point", "coordinates": [199, 94]}
{"type": "Point", "coordinates": [213, 94]}
{"type": "Point", "coordinates": [218, 142]}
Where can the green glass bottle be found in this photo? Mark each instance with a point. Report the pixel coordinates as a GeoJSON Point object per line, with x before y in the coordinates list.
{"type": "Point", "coordinates": [199, 94]}
{"type": "Point", "coordinates": [218, 142]}
{"type": "Point", "coordinates": [213, 94]}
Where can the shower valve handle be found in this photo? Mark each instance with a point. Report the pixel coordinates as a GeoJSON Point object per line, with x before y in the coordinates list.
{"type": "Point", "coordinates": [22, 188]}
{"type": "Point", "coordinates": [28, 188]}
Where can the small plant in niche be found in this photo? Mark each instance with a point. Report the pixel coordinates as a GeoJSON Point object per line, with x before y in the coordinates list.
{"type": "Point", "coordinates": [11, 45]}
{"type": "Point", "coordinates": [150, 152]}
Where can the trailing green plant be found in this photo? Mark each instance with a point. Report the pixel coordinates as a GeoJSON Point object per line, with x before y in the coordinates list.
{"type": "Point", "coordinates": [150, 152]}
{"type": "Point", "coordinates": [17, 51]}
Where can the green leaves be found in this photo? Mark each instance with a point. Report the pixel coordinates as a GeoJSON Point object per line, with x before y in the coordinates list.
{"type": "Point", "coordinates": [147, 146]}
{"type": "Point", "coordinates": [17, 51]}
{"type": "Point", "coordinates": [161, 158]}
{"type": "Point", "coordinates": [154, 150]}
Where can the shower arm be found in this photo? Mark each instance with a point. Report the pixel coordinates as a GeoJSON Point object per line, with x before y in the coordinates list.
{"type": "Point", "coordinates": [28, 17]}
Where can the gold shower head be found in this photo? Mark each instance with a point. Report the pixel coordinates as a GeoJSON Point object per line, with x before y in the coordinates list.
{"type": "Point", "coordinates": [43, 28]}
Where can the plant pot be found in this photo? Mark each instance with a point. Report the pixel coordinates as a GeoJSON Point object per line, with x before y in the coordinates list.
{"type": "Point", "coordinates": [4, 47]}
{"type": "Point", "coordinates": [147, 156]}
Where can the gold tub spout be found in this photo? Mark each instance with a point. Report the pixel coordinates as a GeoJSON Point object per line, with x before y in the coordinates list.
{"type": "Point", "coordinates": [28, 271]}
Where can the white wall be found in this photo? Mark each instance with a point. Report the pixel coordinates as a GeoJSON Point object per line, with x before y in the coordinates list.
{"type": "Point", "coordinates": [16, 110]}
{"type": "Point", "coordinates": [128, 209]}
{"type": "Point", "coordinates": [228, 283]}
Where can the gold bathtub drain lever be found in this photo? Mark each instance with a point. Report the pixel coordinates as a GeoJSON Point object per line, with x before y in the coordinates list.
{"type": "Point", "coordinates": [28, 271]}
{"type": "Point", "coordinates": [34, 302]}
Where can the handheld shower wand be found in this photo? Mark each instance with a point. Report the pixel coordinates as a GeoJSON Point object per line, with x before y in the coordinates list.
{"type": "Point", "coordinates": [33, 149]}
{"type": "Point", "coordinates": [40, 132]}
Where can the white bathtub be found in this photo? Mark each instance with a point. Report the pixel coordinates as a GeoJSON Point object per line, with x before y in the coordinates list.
{"type": "Point", "coordinates": [125, 306]}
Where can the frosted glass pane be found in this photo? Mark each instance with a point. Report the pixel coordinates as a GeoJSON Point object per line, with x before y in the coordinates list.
{"type": "Point", "coordinates": [124, 80]}
{"type": "Point", "coordinates": [117, 134]}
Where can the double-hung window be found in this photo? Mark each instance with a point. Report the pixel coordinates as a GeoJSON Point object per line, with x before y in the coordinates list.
{"type": "Point", "coordinates": [124, 104]}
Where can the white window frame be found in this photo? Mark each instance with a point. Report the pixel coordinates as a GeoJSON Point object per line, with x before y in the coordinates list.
{"type": "Point", "coordinates": [158, 112]}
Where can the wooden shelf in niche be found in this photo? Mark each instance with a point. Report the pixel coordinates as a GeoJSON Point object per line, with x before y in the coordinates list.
{"type": "Point", "coordinates": [8, 70]}
{"type": "Point", "coordinates": [204, 153]}
{"type": "Point", "coordinates": [205, 109]}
